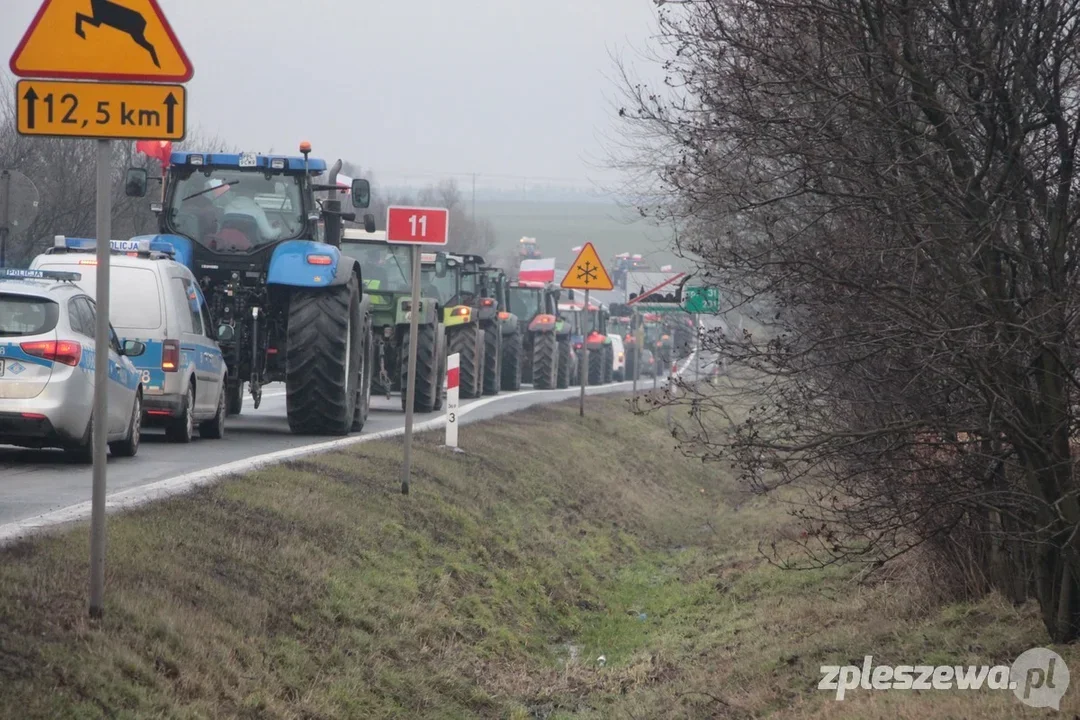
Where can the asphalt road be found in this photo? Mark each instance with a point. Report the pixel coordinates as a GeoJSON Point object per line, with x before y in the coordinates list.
{"type": "Point", "coordinates": [35, 482]}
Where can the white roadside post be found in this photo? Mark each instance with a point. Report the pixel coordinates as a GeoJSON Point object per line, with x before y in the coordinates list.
{"type": "Point", "coordinates": [452, 364]}
{"type": "Point", "coordinates": [414, 226]}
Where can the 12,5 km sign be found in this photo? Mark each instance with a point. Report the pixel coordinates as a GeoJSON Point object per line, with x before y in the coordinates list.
{"type": "Point", "coordinates": [123, 111]}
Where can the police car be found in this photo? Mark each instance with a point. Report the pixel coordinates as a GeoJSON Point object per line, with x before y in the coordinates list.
{"type": "Point", "coordinates": [155, 300]}
{"type": "Point", "coordinates": [47, 358]}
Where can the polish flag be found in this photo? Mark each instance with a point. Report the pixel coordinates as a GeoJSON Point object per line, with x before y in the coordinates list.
{"type": "Point", "coordinates": [537, 271]}
{"type": "Point", "coordinates": [160, 150]}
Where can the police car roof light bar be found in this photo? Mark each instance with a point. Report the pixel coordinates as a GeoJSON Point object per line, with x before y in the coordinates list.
{"type": "Point", "coordinates": [142, 246]}
{"type": "Point", "coordinates": [29, 274]}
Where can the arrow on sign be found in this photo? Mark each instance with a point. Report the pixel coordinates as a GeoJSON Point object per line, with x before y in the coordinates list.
{"type": "Point", "coordinates": [170, 108]}
{"type": "Point", "coordinates": [31, 102]}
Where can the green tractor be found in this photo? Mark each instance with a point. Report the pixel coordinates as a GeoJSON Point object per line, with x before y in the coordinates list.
{"type": "Point", "coordinates": [547, 359]}
{"type": "Point", "coordinates": [658, 339]}
{"type": "Point", "coordinates": [387, 283]}
{"type": "Point", "coordinates": [629, 325]}
{"type": "Point", "coordinates": [479, 292]}
{"type": "Point", "coordinates": [446, 277]}
{"type": "Point", "coordinates": [590, 330]}
{"type": "Point", "coordinates": [497, 287]}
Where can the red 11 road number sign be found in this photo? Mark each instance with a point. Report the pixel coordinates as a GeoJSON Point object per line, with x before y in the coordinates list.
{"type": "Point", "coordinates": [417, 225]}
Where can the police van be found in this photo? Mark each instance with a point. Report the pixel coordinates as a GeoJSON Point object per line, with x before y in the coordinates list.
{"type": "Point", "coordinates": [155, 300]}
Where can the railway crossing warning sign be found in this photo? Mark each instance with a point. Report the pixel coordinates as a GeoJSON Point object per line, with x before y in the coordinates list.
{"type": "Point", "coordinates": [587, 272]}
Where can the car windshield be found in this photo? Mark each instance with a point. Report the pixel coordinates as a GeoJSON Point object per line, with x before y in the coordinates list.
{"type": "Point", "coordinates": [385, 267]}
{"type": "Point", "coordinates": [230, 210]}
{"type": "Point", "coordinates": [524, 302]}
{"type": "Point", "coordinates": [26, 315]}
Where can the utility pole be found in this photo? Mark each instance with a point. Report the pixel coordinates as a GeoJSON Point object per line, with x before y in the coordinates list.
{"type": "Point", "coordinates": [474, 197]}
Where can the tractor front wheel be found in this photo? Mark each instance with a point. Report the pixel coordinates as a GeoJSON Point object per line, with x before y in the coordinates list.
{"type": "Point", "coordinates": [492, 360]}
{"type": "Point", "coordinates": [511, 368]}
{"type": "Point", "coordinates": [566, 360]}
{"type": "Point", "coordinates": [465, 343]}
{"type": "Point", "coordinates": [427, 370]}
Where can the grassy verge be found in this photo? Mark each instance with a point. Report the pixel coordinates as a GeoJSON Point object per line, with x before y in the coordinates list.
{"type": "Point", "coordinates": [315, 590]}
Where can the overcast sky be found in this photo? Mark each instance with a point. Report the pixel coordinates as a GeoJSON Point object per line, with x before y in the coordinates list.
{"type": "Point", "coordinates": [406, 87]}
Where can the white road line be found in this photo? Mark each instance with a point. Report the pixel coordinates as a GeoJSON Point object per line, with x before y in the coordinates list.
{"type": "Point", "coordinates": [180, 484]}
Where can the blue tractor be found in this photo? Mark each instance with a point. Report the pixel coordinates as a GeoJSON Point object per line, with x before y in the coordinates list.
{"type": "Point", "coordinates": [288, 305]}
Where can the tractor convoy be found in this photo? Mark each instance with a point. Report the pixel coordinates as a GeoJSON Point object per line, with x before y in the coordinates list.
{"type": "Point", "coordinates": [300, 295]}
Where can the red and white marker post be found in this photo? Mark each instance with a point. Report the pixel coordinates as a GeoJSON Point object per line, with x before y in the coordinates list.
{"type": "Point", "coordinates": [452, 399]}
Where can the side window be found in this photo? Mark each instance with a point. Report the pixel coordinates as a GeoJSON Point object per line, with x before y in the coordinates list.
{"type": "Point", "coordinates": [209, 329]}
{"type": "Point", "coordinates": [183, 307]}
{"type": "Point", "coordinates": [77, 318]}
{"type": "Point", "coordinates": [193, 306]}
{"type": "Point", "coordinates": [89, 313]}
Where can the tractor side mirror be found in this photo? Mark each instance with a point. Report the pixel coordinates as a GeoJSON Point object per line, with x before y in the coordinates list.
{"type": "Point", "coordinates": [135, 182]}
{"type": "Point", "coordinates": [361, 193]}
{"type": "Point", "coordinates": [225, 333]}
{"type": "Point", "coordinates": [369, 223]}
{"type": "Point", "coordinates": [440, 265]}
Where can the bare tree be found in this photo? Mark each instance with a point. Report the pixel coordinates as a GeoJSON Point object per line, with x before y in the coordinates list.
{"type": "Point", "coordinates": [893, 180]}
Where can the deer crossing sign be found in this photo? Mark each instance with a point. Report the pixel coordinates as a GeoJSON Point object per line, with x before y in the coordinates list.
{"type": "Point", "coordinates": [117, 40]}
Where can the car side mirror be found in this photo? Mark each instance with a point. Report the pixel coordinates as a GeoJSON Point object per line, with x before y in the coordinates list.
{"type": "Point", "coordinates": [361, 194]}
{"type": "Point", "coordinates": [133, 348]}
{"type": "Point", "coordinates": [225, 333]}
{"type": "Point", "coordinates": [135, 182]}
{"type": "Point", "coordinates": [369, 223]}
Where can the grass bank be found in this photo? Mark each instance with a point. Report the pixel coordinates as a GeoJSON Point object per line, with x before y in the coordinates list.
{"type": "Point", "coordinates": [315, 590]}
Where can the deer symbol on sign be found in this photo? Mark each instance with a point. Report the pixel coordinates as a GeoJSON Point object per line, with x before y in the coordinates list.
{"type": "Point", "coordinates": [118, 17]}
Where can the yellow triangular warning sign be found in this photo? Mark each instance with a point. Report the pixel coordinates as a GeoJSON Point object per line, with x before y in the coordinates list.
{"type": "Point", "coordinates": [587, 272]}
{"type": "Point", "coordinates": [123, 40]}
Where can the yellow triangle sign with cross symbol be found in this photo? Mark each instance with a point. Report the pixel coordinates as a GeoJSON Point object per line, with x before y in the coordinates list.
{"type": "Point", "coordinates": [587, 272]}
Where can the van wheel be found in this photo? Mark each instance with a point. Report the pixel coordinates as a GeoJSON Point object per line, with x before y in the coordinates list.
{"type": "Point", "coordinates": [182, 429]}
{"type": "Point", "coordinates": [214, 428]}
{"type": "Point", "coordinates": [234, 392]}
{"type": "Point", "coordinates": [130, 445]}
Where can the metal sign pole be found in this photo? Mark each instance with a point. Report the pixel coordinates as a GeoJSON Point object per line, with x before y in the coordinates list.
{"type": "Point", "coordinates": [637, 352]}
{"type": "Point", "coordinates": [410, 391]}
{"type": "Point", "coordinates": [583, 371]}
{"type": "Point", "coordinates": [5, 214]}
{"type": "Point", "coordinates": [99, 421]}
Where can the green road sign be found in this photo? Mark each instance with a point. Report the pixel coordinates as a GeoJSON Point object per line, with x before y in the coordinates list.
{"type": "Point", "coordinates": [702, 300]}
{"type": "Point", "coordinates": [645, 307]}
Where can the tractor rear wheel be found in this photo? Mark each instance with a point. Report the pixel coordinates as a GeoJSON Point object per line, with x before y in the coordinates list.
{"type": "Point", "coordinates": [322, 360]}
{"type": "Point", "coordinates": [545, 361]}
{"type": "Point", "coordinates": [427, 370]}
{"type": "Point", "coordinates": [493, 342]}
{"type": "Point", "coordinates": [511, 368]}
{"type": "Point", "coordinates": [631, 359]}
{"type": "Point", "coordinates": [565, 361]}
{"type": "Point", "coordinates": [464, 342]}
{"type": "Point", "coordinates": [609, 363]}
